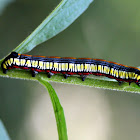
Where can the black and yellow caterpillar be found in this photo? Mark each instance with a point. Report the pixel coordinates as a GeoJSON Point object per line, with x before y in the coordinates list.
{"type": "Point", "coordinates": [69, 66]}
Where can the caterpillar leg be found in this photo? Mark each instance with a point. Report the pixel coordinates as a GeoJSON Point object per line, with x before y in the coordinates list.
{"type": "Point", "coordinates": [66, 76]}
{"type": "Point", "coordinates": [83, 77]}
{"type": "Point", "coordinates": [34, 73]}
{"type": "Point", "coordinates": [138, 83]}
{"type": "Point", "coordinates": [50, 74]}
{"type": "Point", "coordinates": [4, 71]}
{"type": "Point", "coordinates": [120, 82]}
{"type": "Point", "coordinates": [130, 83]}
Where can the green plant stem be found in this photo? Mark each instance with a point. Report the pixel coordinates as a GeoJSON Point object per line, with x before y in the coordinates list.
{"type": "Point", "coordinates": [58, 110]}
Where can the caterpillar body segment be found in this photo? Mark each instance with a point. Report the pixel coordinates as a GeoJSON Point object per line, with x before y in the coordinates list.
{"type": "Point", "coordinates": [69, 66]}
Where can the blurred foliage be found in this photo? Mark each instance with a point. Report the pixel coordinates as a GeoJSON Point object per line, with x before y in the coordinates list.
{"type": "Point", "coordinates": [4, 4]}
{"type": "Point", "coordinates": [3, 133]}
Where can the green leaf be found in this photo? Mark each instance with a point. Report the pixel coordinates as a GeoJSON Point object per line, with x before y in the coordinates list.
{"type": "Point", "coordinates": [90, 81]}
{"type": "Point", "coordinates": [3, 133]}
{"type": "Point", "coordinates": [61, 17]}
{"type": "Point", "coordinates": [58, 110]}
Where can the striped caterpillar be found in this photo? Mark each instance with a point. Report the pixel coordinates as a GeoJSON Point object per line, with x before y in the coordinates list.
{"type": "Point", "coordinates": [69, 66]}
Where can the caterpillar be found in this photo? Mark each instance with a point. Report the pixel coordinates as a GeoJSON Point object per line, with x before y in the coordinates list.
{"type": "Point", "coordinates": [69, 66]}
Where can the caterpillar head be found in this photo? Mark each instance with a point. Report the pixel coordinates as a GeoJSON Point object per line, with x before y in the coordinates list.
{"type": "Point", "coordinates": [14, 54]}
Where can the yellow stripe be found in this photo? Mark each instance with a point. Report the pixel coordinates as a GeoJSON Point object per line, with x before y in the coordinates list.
{"type": "Point", "coordinates": [9, 62]}
{"type": "Point", "coordinates": [28, 63]}
{"type": "Point", "coordinates": [71, 67]}
{"type": "Point", "coordinates": [116, 73]}
{"type": "Point", "coordinates": [41, 66]}
{"type": "Point", "coordinates": [34, 63]}
{"type": "Point", "coordinates": [87, 68]}
{"type": "Point", "coordinates": [66, 66]}
{"type": "Point", "coordinates": [130, 74]}
{"type": "Point", "coordinates": [51, 65]}
{"type": "Point", "coordinates": [63, 66]}
{"type": "Point", "coordinates": [4, 66]}
{"type": "Point", "coordinates": [55, 66]}
{"type": "Point", "coordinates": [138, 77]}
{"type": "Point", "coordinates": [16, 61]}
{"type": "Point", "coordinates": [59, 65]}
{"type": "Point", "coordinates": [126, 75]}
{"type": "Point", "coordinates": [122, 74]}
{"type": "Point", "coordinates": [82, 67]}
{"type": "Point", "coordinates": [78, 67]}
{"type": "Point", "coordinates": [22, 62]}
{"type": "Point", "coordinates": [47, 65]}
{"type": "Point", "coordinates": [112, 72]}
{"type": "Point", "coordinates": [106, 70]}
{"type": "Point", "coordinates": [133, 75]}
{"type": "Point", "coordinates": [99, 68]}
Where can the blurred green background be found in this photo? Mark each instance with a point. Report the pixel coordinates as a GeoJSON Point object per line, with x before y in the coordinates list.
{"type": "Point", "coordinates": [107, 30]}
